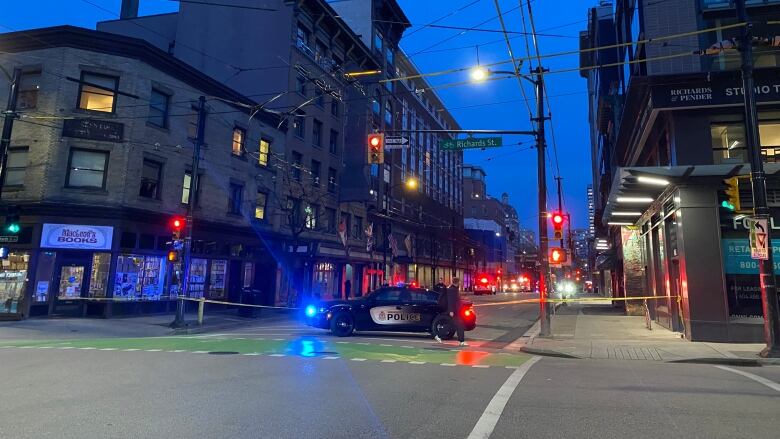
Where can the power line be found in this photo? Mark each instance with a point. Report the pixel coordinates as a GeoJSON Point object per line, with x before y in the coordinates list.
{"type": "Point", "coordinates": [450, 14]}
{"type": "Point", "coordinates": [515, 66]}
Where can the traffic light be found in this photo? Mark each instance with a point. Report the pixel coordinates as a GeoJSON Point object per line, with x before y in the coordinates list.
{"type": "Point", "coordinates": [557, 255]}
{"type": "Point", "coordinates": [12, 225]}
{"type": "Point", "coordinates": [173, 255]}
{"type": "Point", "coordinates": [732, 194]}
{"type": "Point", "coordinates": [177, 225]}
{"type": "Point", "coordinates": [376, 148]}
{"type": "Point", "coordinates": [557, 220]}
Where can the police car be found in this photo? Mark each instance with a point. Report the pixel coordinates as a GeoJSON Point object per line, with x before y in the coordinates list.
{"type": "Point", "coordinates": [394, 309]}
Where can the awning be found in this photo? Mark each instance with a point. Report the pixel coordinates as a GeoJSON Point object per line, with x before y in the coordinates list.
{"type": "Point", "coordinates": [635, 189]}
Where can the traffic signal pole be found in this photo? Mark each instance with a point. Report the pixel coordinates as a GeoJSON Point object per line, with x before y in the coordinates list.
{"type": "Point", "coordinates": [187, 261]}
{"type": "Point", "coordinates": [544, 266]}
{"type": "Point", "coordinates": [758, 181]}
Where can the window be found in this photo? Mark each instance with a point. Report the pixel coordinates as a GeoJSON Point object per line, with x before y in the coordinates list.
{"type": "Point", "coordinates": [185, 189]}
{"type": "Point", "coordinates": [158, 109]}
{"type": "Point", "coordinates": [358, 229]}
{"type": "Point", "coordinates": [320, 101]}
{"type": "Point", "coordinates": [302, 36]}
{"type": "Point", "coordinates": [265, 149]}
{"type": "Point", "coordinates": [311, 211]}
{"type": "Point", "coordinates": [330, 220]}
{"type": "Point", "coordinates": [16, 166]}
{"type": "Point", "coordinates": [334, 142]}
{"type": "Point", "coordinates": [317, 133]}
{"type": "Point", "coordinates": [293, 212]}
{"type": "Point", "coordinates": [390, 55]}
{"type": "Point", "coordinates": [320, 51]}
{"type": "Point", "coordinates": [331, 180]}
{"type": "Point", "coordinates": [729, 145]}
{"type": "Point", "coordinates": [296, 165]}
{"type": "Point", "coordinates": [28, 90]}
{"type": "Point", "coordinates": [316, 169]}
{"type": "Point", "coordinates": [334, 106]}
{"type": "Point", "coordinates": [300, 84]}
{"type": "Point", "coordinates": [299, 126]}
{"type": "Point", "coordinates": [388, 295]}
{"type": "Point", "coordinates": [87, 169]}
{"type": "Point", "coordinates": [151, 173]}
{"type": "Point", "coordinates": [239, 134]}
{"type": "Point", "coordinates": [345, 220]}
{"type": "Point", "coordinates": [388, 113]}
{"type": "Point", "coordinates": [236, 195]}
{"type": "Point", "coordinates": [97, 92]}
{"type": "Point", "coordinates": [376, 104]}
{"type": "Point", "coordinates": [260, 202]}
{"type": "Point", "coordinates": [378, 41]}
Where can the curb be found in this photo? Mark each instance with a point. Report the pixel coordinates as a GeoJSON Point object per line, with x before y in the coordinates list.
{"type": "Point", "coordinates": [746, 362]}
{"type": "Point", "coordinates": [548, 353]}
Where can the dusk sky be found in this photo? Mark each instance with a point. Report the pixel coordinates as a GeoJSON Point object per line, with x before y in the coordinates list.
{"type": "Point", "coordinates": [491, 105]}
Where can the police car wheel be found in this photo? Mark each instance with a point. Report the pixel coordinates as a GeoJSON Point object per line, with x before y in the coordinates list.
{"type": "Point", "coordinates": [342, 324]}
{"type": "Point", "coordinates": [443, 328]}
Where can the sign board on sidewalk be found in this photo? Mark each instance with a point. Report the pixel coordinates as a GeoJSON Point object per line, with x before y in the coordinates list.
{"type": "Point", "coordinates": [470, 143]}
{"type": "Point", "coordinates": [759, 239]}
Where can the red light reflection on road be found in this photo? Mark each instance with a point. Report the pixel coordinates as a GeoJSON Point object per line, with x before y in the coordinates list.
{"type": "Point", "coordinates": [469, 358]}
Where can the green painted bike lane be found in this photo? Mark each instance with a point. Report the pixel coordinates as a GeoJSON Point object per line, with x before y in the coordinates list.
{"type": "Point", "coordinates": [300, 347]}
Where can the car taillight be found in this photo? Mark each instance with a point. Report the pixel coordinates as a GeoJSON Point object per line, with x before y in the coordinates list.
{"type": "Point", "coordinates": [468, 312]}
{"type": "Point", "coordinates": [484, 280]}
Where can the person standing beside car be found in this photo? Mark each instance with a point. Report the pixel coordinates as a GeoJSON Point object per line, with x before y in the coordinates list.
{"type": "Point", "coordinates": [453, 308]}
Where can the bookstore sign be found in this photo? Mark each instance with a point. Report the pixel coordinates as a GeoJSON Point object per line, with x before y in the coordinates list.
{"type": "Point", "coordinates": [75, 236]}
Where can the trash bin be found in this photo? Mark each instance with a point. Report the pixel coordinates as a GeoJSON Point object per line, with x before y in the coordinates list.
{"type": "Point", "coordinates": [249, 297]}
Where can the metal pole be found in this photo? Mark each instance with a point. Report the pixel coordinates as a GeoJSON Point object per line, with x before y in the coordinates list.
{"type": "Point", "coordinates": [8, 124]}
{"type": "Point", "coordinates": [190, 208]}
{"type": "Point", "coordinates": [385, 228]}
{"type": "Point", "coordinates": [758, 181]}
{"type": "Point", "coordinates": [560, 201]}
{"type": "Point", "coordinates": [544, 308]}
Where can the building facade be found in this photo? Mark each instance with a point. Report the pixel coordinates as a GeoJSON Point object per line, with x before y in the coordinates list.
{"type": "Point", "coordinates": [668, 144]}
{"type": "Point", "coordinates": [101, 160]}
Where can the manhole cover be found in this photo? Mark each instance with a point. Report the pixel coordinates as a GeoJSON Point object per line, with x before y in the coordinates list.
{"type": "Point", "coordinates": [223, 353]}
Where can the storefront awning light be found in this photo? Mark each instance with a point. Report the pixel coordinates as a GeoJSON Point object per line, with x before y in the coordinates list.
{"type": "Point", "coordinates": [652, 180]}
{"type": "Point", "coordinates": [634, 200]}
{"type": "Point", "coordinates": [626, 213]}
{"type": "Point", "coordinates": [620, 223]}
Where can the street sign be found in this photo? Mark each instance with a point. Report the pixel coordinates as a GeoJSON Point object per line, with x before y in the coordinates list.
{"type": "Point", "coordinates": [396, 142]}
{"type": "Point", "coordinates": [759, 248]}
{"type": "Point", "coordinates": [9, 238]}
{"type": "Point", "coordinates": [470, 143]}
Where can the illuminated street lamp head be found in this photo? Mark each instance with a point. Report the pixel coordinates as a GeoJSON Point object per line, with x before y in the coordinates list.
{"type": "Point", "coordinates": [479, 74]}
{"type": "Point", "coordinates": [411, 183]}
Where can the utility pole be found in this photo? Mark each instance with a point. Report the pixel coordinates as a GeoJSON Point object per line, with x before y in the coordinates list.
{"type": "Point", "coordinates": [758, 182]}
{"type": "Point", "coordinates": [8, 123]}
{"type": "Point", "coordinates": [199, 140]}
{"type": "Point", "coordinates": [544, 266]}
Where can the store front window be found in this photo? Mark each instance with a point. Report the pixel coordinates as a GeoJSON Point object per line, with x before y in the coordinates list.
{"type": "Point", "coordinates": [44, 274]}
{"type": "Point", "coordinates": [217, 281]}
{"type": "Point", "coordinates": [197, 283]}
{"type": "Point", "coordinates": [248, 274]}
{"type": "Point", "coordinates": [139, 277]}
{"type": "Point", "coordinates": [13, 280]}
{"type": "Point", "coordinates": [324, 273]}
{"type": "Point", "coordinates": [71, 280]}
{"type": "Point", "coordinates": [98, 278]}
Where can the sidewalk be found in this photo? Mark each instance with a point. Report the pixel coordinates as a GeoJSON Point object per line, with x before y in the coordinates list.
{"type": "Point", "coordinates": [157, 325]}
{"type": "Point", "coordinates": [599, 331]}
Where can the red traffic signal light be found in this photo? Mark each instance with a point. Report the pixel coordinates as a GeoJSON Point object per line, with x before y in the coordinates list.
{"type": "Point", "coordinates": [557, 218]}
{"type": "Point", "coordinates": [376, 148]}
{"type": "Point", "coordinates": [177, 225]}
{"type": "Point", "coordinates": [557, 255]}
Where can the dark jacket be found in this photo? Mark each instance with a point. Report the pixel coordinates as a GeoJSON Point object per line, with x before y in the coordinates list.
{"type": "Point", "coordinates": [453, 299]}
{"type": "Point", "coordinates": [440, 288]}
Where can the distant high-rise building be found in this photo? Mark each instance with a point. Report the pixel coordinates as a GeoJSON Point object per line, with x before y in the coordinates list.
{"type": "Point", "coordinates": [591, 213]}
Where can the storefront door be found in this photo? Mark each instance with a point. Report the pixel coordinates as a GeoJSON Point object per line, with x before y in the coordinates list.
{"type": "Point", "coordinates": [73, 272]}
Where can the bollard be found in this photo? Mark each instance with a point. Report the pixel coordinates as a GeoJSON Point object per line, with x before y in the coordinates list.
{"type": "Point", "coordinates": [201, 303]}
{"type": "Point", "coordinates": [178, 321]}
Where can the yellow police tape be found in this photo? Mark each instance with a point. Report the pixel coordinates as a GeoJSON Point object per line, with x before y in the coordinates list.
{"type": "Point", "coordinates": [578, 299]}
{"type": "Point", "coordinates": [219, 302]}
{"type": "Point", "coordinates": [169, 298]}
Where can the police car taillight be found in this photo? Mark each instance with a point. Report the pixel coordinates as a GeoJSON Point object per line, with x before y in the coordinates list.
{"type": "Point", "coordinates": [484, 280]}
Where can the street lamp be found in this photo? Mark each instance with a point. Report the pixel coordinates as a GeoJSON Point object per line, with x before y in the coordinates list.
{"type": "Point", "coordinates": [410, 184]}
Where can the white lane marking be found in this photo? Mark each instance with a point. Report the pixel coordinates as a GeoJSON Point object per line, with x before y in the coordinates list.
{"type": "Point", "coordinates": [108, 349]}
{"type": "Point", "coordinates": [177, 350]}
{"type": "Point", "coordinates": [358, 359]}
{"type": "Point", "coordinates": [131, 350]}
{"type": "Point", "coordinates": [66, 347]}
{"type": "Point", "coordinates": [26, 347]}
{"type": "Point", "coordinates": [45, 347]}
{"type": "Point", "coordinates": [362, 343]}
{"type": "Point", "coordinates": [388, 361]}
{"type": "Point", "coordinates": [417, 362]}
{"type": "Point", "coordinates": [481, 366]}
{"type": "Point", "coordinates": [200, 352]}
{"type": "Point", "coordinates": [448, 364]}
{"type": "Point", "coordinates": [252, 353]}
{"type": "Point", "coordinates": [276, 355]}
{"type": "Point", "coordinates": [342, 342]}
{"type": "Point", "coordinates": [153, 350]}
{"type": "Point", "coordinates": [759, 379]}
{"type": "Point", "coordinates": [386, 345]}
{"type": "Point", "coordinates": [84, 349]}
{"type": "Point", "coordinates": [408, 347]}
{"type": "Point", "coordinates": [278, 339]}
{"type": "Point", "coordinates": [487, 422]}
{"type": "Point", "coordinates": [330, 358]}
